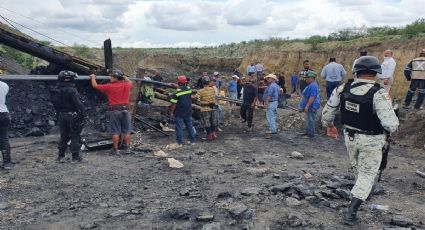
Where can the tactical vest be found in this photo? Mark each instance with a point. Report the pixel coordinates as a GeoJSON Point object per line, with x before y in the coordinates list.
{"type": "Point", "coordinates": [357, 110]}
{"type": "Point", "coordinates": [418, 68]}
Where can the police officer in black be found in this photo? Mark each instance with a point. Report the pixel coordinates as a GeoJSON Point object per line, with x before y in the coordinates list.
{"type": "Point", "coordinates": [71, 116]}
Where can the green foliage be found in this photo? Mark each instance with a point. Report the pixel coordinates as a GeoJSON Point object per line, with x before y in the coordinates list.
{"type": "Point", "coordinates": [416, 28]}
{"type": "Point", "coordinates": [315, 40]}
{"type": "Point", "coordinates": [82, 50]}
{"type": "Point", "coordinates": [22, 58]}
{"type": "Point", "coordinates": [344, 35]}
{"type": "Point", "coordinates": [383, 31]}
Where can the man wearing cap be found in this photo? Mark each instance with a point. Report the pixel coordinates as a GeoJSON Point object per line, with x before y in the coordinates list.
{"type": "Point", "coordinates": [386, 79]}
{"type": "Point", "coordinates": [367, 115]}
{"type": "Point", "coordinates": [304, 74]}
{"type": "Point", "coordinates": [232, 87]}
{"type": "Point", "coordinates": [118, 93]}
{"type": "Point", "coordinates": [333, 74]}
{"type": "Point", "coordinates": [415, 72]}
{"type": "Point", "coordinates": [181, 110]}
{"type": "Point", "coordinates": [310, 103]}
{"type": "Point", "coordinates": [271, 97]}
{"type": "Point", "coordinates": [218, 82]}
{"type": "Point", "coordinates": [4, 127]}
{"type": "Point", "coordinates": [206, 99]}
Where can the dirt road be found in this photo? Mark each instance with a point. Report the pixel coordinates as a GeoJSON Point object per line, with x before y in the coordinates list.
{"type": "Point", "coordinates": [240, 181]}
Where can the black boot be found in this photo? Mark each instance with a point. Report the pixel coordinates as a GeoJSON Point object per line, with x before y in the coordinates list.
{"type": "Point", "coordinates": [7, 161]}
{"type": "Point", "coordinates": [351, 214]}
{"type": "Point", "coordinates": [61, 155]}
{"type": "Point", "coordinates": [76, 158]}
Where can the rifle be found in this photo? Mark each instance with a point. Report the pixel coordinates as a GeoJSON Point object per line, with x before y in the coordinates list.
{"type": "Point", "coordinates": [384, 162]}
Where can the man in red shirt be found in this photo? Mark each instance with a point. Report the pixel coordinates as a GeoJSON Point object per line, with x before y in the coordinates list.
{"type": "Point", "coordinates": [118, 93]}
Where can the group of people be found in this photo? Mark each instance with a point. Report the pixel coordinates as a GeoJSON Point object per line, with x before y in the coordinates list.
{"type": "Point", "coordinates": [364, 102]}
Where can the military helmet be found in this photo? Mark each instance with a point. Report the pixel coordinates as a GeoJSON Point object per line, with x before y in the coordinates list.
{"type": "Point", "coordinates": [117, 73]}
{"type": "Point", "coordinates": [367, 63]}
{"type": "Point", "coordinates": [66, 75]}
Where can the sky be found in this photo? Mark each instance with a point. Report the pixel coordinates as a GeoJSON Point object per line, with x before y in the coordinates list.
{"type": "Point", "coordinates": [172, 23]}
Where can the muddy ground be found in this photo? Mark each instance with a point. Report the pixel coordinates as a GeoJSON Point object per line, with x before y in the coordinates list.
{"type": "Point", "coordinates": [241, 180]}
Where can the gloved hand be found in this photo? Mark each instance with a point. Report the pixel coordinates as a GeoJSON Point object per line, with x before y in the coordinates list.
{"type": "Point", "coordinates": [332, 132]}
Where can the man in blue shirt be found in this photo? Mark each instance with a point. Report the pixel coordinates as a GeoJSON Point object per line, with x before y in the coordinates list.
{"type": "Point", "coordinates": [310, 103]}
{"type": "Point", "coordinates": [333, 74]}
{"type": "Point", "coordinates": [250, 70]}
{"type": "Point", "coordinates": [232, 86]}
{"type": "Point", "coordinates": [271, 97]}
{"type": "Point", "coordinates": [181, 109]}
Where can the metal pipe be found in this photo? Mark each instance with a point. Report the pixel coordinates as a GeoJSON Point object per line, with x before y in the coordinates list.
{"type": "Point", "coordinates": [80, 78]}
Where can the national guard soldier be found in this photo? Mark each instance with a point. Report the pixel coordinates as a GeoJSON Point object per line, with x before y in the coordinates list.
{"type": "Point", "coordinates": [415, 72]}
{"type": "Point", "coordinates": [71, 115]}
{"type": "Point", "coordinates": [367, 116]}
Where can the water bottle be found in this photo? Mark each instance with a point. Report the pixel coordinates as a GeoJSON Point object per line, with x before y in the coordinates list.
{"type": "Point", "coordinates": [379, 207]}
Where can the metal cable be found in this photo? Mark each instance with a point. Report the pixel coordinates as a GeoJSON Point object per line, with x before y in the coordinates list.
{"type": "Point", "coordinates": [32, 19]}
{"type": "Point", "coordinates": [36, 31]}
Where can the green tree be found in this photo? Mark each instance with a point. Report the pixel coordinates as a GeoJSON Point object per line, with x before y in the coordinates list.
{"type": "Point", "coordinates": [315, 40]}
{"type": "Point", "coordinates": [417, 27]}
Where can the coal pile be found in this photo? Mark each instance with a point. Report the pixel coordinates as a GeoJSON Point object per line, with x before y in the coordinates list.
{"type": "Point", "coordinates": [33, 114]}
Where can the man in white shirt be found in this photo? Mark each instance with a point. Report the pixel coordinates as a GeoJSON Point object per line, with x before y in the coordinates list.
{"type": "Point", "coordinates": [4, 126]}
{"type": "Point", "coordinates": [386, 79]}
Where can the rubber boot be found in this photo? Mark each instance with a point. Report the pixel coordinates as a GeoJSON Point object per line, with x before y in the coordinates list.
{"type": "Point", "coordinates": [61, 155]}
{"type": "Point", "coordinates": [214, 135]}
{"type": "Point", "coordinates": [351, 214]}
{"type": "Point", "coordinates": [209, 137]}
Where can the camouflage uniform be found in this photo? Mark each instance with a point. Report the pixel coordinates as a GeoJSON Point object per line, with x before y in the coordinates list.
{"type": "Point", "coordinates": [365, 151]}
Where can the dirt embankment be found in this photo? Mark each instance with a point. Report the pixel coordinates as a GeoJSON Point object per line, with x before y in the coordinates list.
{"type": "Point", "coordinates": [287, 61]}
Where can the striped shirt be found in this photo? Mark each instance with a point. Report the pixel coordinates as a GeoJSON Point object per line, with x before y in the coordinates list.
{"type": "Point", "coordinates": [206, 98]}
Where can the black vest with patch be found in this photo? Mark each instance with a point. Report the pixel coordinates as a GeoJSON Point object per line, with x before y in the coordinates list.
{"type": "Point", "coordinates": [357, 110]}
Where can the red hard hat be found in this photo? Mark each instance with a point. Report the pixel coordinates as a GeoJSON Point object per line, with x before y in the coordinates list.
{"type": "Point", "coordinates": [182, 79]}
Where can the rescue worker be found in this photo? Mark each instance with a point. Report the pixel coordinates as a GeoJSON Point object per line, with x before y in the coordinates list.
{"type": "Point", "coordinates": [415, 72]}
{"type": "Point", "coordinates": [71, 115]}
{"type": "Point", "coordinates": [4, 127]}
{"type": "Point", "coordinates": [367, 115]}
{"type": "Point", "coordinates": [206, 98]}
{"type": "Point", "coordinates": [181, 110]}
{"type": "Point", "coordinates": [118, 93]}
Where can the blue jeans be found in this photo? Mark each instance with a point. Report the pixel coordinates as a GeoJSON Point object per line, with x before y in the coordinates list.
{"type": "Point", "coordinates": [179, 123]}
{"type": "Point", "coordinates": [330, 86]}
{"type": "Point", "coordinates": [233, 95]}
{"type": "Point", "coordinates": [218, 114]}
{"type": "Point", "coordinates": [310, 128]}
{"type": "Point", "coordinates": [271, 115]}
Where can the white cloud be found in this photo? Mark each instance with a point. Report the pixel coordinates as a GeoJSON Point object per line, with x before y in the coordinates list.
{"type": "Point", "coordinates": [164, 23]}
{"type": "Point", "coordinates": [185, 16]}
